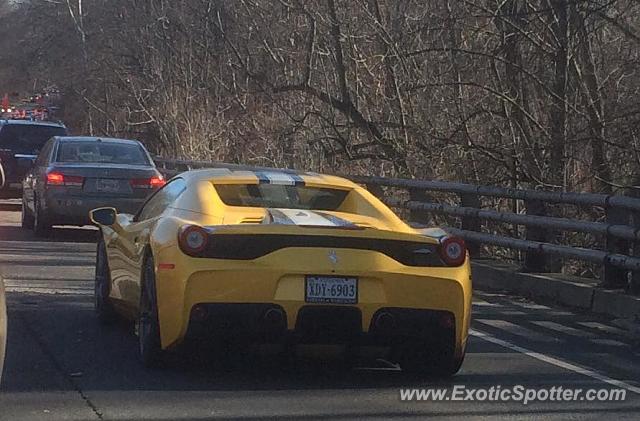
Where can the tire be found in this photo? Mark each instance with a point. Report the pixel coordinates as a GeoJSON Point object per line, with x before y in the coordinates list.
{"type": "Point", "coordinates": [41, 224]}
{"type": "Point", "coordinates": [26, 219]}
{"type": "Point", "coordinates": [147, 325]}
{"type": "Point", "coordinates": [430, 360]}
{"type": "Point", "coordinates": [102, 287]}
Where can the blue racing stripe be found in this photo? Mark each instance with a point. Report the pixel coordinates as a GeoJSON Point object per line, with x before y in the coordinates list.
{"type": "Point", "coordinates": [299, 181]}
{"type": "Point", "coordinates": [262, 177]}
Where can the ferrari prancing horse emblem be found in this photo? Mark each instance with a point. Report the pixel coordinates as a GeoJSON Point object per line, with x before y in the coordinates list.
{"type": "Point", "coordinates": [333, 257]}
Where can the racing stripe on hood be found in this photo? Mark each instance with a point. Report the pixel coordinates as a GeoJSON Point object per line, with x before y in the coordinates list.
{"type": "Point", "coordinates": [276, 216]}
{"type": "Point", "coordinates": [337, 221]}
{"type": "Point", "coordinates": [306, 217]}
{"type": "Point", "coordinates": [280, 178]}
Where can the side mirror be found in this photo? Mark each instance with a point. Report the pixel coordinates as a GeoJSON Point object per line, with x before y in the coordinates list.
{"type": "Point", "coordinates": [103, 216]}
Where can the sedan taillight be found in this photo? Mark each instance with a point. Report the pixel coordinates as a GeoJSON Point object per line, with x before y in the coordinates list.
{"type": "Point", "coordinates": [59, 179]}
{"type": "Point", "coordinates": [148, 183]}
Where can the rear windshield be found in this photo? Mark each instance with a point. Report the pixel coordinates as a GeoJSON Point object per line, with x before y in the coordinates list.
{"type": "Point", "coordinates": [102, 153]}
{"type": "Point", "coordinates": [27, 138]}
{"type": "Point", "coordinates": [279, 196]}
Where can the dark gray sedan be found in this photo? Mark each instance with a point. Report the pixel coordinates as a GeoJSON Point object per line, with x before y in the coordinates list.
{"type": "Point", "coordinates": [73, 175]}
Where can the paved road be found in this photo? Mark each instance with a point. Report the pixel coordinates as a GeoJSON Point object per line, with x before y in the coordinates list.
{"type": "Point", "coordinates": [62, 365]}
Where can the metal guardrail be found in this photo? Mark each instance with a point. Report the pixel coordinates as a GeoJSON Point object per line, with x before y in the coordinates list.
{"type": "Point", "coordinates": [619, 256]}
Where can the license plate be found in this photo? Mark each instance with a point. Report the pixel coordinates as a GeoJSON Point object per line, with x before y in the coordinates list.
{"type": "Point", "coordinates": [331, 289]}
{"type": "Point", "coordinates": [107, 185]}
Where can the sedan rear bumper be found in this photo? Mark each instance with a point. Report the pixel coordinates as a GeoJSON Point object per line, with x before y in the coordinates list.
{"type": "Point", "coordinates": [67, 209]}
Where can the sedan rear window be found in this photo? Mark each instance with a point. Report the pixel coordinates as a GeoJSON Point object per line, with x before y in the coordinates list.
{"type": "Point", "coordinates": [102, 153]}
{"type": "Point", "coordinates": [280, 196]}
{"type": "Point", "coordinates": [27, 138]}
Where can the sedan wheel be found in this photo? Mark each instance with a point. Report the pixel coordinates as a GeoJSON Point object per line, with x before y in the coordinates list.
{"type": "Point", "coordinates": [148, 327]}
{"type": "Point", "coordinates": [102, 286]}
{"type": "Point", "coordinates": [41, 225]}
{"type": "Point", "coordinates": [26, 219]}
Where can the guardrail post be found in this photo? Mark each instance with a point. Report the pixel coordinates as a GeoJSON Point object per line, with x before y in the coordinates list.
{"type": "Point", "coordinates": [419, 216]}
{"type": "Point", "coordinates": [634, 284]}
{"type": "Point", "coordinates": [535, 261]}
{"type": "Point", "coordinates": [613, 276]}
{"type": "Point", "coordinates": [471, 223]}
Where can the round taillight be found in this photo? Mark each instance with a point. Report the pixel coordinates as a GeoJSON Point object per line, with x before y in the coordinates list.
{"type": "Point", "coordinates": [453, 251]}
{"type": "Point", "coordinates": [193, 239]}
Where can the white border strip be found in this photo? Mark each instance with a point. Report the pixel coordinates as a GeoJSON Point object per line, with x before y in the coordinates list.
{"type": "Point", "coordinates": [305, 217]}
{"type": "Point", "coordinates": [557, 362]}
{"type": "Point", "coordinates": [278, 178]}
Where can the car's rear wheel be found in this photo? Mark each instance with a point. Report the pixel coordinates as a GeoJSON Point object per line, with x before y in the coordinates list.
{"type": "Point", "coordinates": [429, 359]}
{"type": "Point", "coordinates": [41, 224]}
{"type": "Point", "coordinates": [102, 286]}
{"type": "Point", "coordinates": [27, 218]}
{"type": "Point", "coordinates": [148, 326]}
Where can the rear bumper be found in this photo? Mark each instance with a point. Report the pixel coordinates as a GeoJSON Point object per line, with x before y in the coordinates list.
{"type": "Point", "coordinates": [14, 175]}
{"type": "Point", "coordinates": [11, 190]}
{"type": "Point", "coordinates": [62, 209]}
{"type": "Point", "coordinates": [320, 324]}
{"type": "Point", "coordinates": [406, 301]}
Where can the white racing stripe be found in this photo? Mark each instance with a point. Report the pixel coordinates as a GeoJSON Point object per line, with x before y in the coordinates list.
{"type": "Point", "coordinates": [557, 362]}
{"type": "Point", "coordinates": [277, 178]}
{"type": "Point", "coordinates": [305, 217]}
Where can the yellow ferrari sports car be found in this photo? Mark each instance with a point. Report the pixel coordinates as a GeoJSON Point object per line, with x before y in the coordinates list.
{"type": "Point", "coordinates": [281, 256]}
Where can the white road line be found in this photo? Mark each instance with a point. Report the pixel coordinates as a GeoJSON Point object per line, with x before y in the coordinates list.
{"type": "Point", "coordinates": [483, 303]}
{"type": "Point", "coordinates": [50, 291]}
{"type": "Point", "coordinates": [518, 330]}
{"type": "Point", "coordinates": [603, 327]}
{"type": "Point", "coordinates": [557, 362]}
{"type": "Point", "coordinates": [608, 342]}
{"type": "Point", "coordinates": [558, 313]}
{"type": "Point", "coordinates": [531, 306]}
{"type": "Point", "coordinates": [568, 330]}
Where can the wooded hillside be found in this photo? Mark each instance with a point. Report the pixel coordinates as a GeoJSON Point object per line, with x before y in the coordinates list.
{"type": "Point", "coordinates": [537, 93]}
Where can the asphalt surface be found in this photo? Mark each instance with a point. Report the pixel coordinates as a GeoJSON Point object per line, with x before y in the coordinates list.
{"type": "Point", "coordinates": [62, 365]}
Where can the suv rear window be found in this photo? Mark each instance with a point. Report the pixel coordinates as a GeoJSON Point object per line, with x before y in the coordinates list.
{"type": "Point", "coordinates": [280, 196]}
{"type": "Point", "coordinates": [102, 153]}
{"type": "Point", "coordinates": [26, 138]}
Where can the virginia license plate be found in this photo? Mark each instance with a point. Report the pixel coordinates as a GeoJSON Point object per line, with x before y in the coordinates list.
{"type": "Point", "coordinates": [107, 185]}
{"type": "Point", "coordinates": [331, 289]}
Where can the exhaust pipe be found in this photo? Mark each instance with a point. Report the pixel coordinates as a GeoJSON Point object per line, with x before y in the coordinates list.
{"type": "Point", "coordinates": [274, 318]}
{"type": "Point", "coordinates": [199, 313]}
{"type": "Point", "coordinates": [385, 322]}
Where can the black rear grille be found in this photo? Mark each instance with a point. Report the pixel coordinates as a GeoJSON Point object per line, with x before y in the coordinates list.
{"type": "Point", "coordinates": [252, 246]}
{"type": "Point", "coordinates": [328, 324]}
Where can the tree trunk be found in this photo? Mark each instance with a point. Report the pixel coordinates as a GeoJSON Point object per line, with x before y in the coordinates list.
{"type": "Point", "coordinates": [558, 112]}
